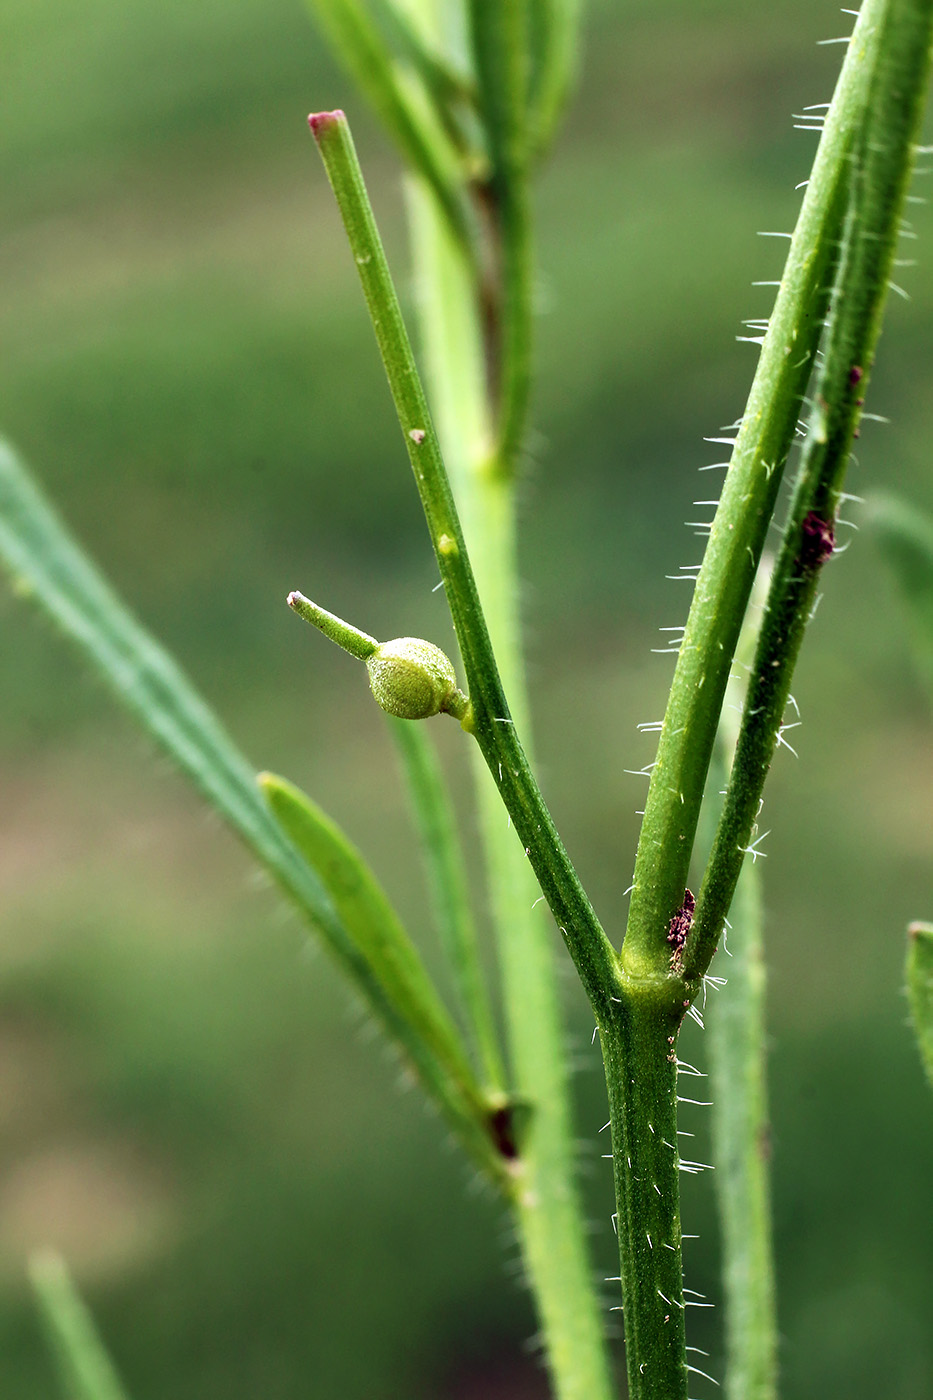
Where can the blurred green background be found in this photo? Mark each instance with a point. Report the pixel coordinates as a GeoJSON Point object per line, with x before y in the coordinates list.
{"type": "Point", "coordinates": [191, 1106]}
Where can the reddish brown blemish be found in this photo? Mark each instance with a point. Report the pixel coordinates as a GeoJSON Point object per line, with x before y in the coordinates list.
{"type": "Point", "coordinates": [502, 1130]}
{"type": "Point", "coordinates": [818, 542]}
{"type": "Point", "coordinates": [856, 373]}
{"type": "Point", "coordinates": [682, 923]}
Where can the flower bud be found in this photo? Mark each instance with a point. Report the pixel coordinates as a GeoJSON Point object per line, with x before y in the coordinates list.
{"type": "Point", "coordinates": [411, 678]}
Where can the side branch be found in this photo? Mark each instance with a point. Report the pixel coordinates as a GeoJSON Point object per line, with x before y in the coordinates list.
{"type": "Point", "coordinates": [491, 721]}
{"type": "Point", "coordinates": [880, 174]}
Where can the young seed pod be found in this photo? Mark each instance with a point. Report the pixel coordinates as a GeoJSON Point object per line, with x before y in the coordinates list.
{"type": "Point", "coordinates": [411, 678]}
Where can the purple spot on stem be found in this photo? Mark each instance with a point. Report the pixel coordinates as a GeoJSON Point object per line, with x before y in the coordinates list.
{"type": "Point", "coordinates": [681, 924]}
{"type": "Point", "coordinates": [818, 542]}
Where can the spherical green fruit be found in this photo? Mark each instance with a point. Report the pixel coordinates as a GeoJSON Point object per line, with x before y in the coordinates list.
{"type": "Point", "coordinates": [411, 678]}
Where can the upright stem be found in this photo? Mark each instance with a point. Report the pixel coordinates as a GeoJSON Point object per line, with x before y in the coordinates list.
{"type": "Point", "coordinates": [549, 1214]}
{"type": "Point", "coordinates": [490, 719]}
{"type": "Point", "coordinates": [897, 35]}
{"type": "Point", "coordinates": [641, 1076]}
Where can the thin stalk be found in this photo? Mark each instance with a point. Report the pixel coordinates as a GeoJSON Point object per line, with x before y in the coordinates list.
{"type": "Point", "coordinates": [447, 882]}
{"type": "Point", "coordinates": [899, 33]}
{"type": "Point", "coordinates": [550, 1219]}
{"type": "Point", "coordinates": [491, 721]}
{"type": "Point", "coordinates": [742, 518]}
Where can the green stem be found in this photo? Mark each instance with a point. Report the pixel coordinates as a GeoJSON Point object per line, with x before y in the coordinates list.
{"type": "Point", "coordinates": [641, 1077]}
{"type": "Point", "coordinates": [549, 1213]}
{"type": "Point", "coordinates": [448, 885]}
{"type": "Point", "coordinates": [745, 509]}
{"type": "Point", "coordinates": [898, 34]}
{"type": "Point", "coordinates": [493, 725]}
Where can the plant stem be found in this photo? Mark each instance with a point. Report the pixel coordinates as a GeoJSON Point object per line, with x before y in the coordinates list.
{"type": "Point", "coordinates": [898, 34]}
{"type": "Point", "coordinates": [641, 1077]}
{"type": "Point", "coordinates": [745, 509]}
{"type": "Point", "coordinates": [493, 725]}
{"type": "Point", "coordinates": [549, 1214]}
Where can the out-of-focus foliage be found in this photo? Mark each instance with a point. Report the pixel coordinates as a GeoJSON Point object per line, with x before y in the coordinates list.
{"type": "Point", "coordinates": [189, 1110]}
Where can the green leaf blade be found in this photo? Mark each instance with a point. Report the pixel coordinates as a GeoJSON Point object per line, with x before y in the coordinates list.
{"type": "Point", "coordinates": [49, 566]}
{"type": "Point", "coordinates": [406, 106]}
{"type": "Point", "coordinates": [420, 1020]}
{"type": "Point", "coordinates": [443, 860]}
{"type": "Point", "coordinates": [84, 1366]}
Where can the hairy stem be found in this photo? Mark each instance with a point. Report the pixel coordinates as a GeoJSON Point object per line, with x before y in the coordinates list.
{"type": "Point", "coordinates": [641, 1076]}
{"type": "Point", "coordinates": [898, 34]}
{"type": "Point", "coordinates": [742, 518]}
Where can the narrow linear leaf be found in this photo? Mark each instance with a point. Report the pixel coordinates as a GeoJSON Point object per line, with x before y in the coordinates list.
{"type": "Point", "coordinates": [447, 881]}
{"type": "Point", "coordinates": [554, 28]}
{"type": "Point", "coordinates": [737, 1037]}
{"type": "Point", "coordinates": [405, 106]}
{"type": "Point", "coordinates": [920, 989]}
{"type": "Point", "coordinates": [499, 31]}
{"type": "Point", "coordinates": [84, 1367]}
{"type": "Point", "coordinates": [49, 566]}
{"type": "Point", "coordinates": [424, 1026]}
{"type": "Point", "coordinates": [440, 78]}
{"type": "Point", "coordinates": [736, 1034]}
{"type": "Point", "coordinates": [905, 537]}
